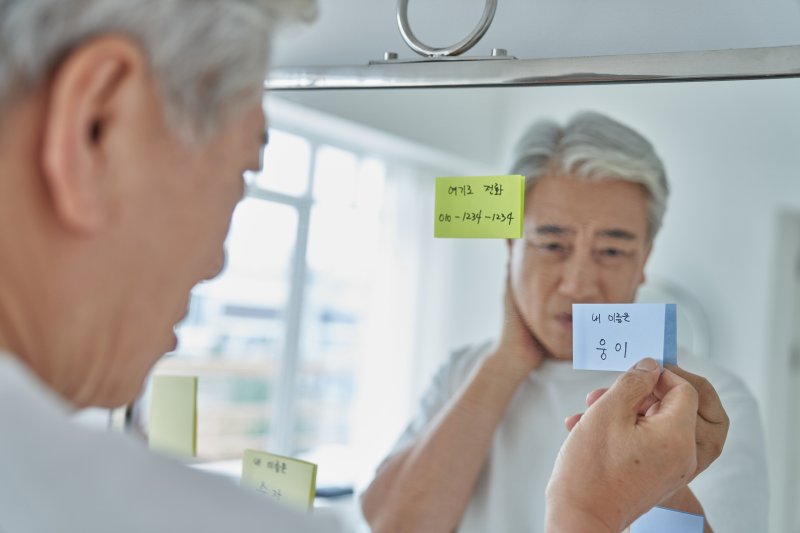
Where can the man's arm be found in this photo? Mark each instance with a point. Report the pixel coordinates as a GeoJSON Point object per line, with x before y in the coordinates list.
{"type": "Point", "coordinates": [685, 500]}
{"type": "Point", "coordinates": [428, 485]}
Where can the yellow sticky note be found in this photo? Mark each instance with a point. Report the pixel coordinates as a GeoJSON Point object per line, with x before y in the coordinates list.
{"type": "Point", "coordinates": [284, 479]}
{"type": "Point", "coordinates": [173, 415]}
{"type": "Point", "coordinates": [480, 207]}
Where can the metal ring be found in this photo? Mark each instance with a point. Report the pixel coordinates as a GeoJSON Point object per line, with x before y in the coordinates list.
{"type": "Point", "coordinates": [454, 50]}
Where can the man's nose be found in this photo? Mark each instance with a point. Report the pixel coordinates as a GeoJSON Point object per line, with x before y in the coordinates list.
{"type": "Point", "coordinates": [580, 276]}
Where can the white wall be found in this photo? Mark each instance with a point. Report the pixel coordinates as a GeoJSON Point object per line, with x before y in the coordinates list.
{"type": "Point", "coordinates": [422, 115]}
{"type": "Point", "coordinates": [464, 278]}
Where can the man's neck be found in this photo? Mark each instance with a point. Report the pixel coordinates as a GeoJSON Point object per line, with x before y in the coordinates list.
{"type": "Point", "coordinates": [32, 328]}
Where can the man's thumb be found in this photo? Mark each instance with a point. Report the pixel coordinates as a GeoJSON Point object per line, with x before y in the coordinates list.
{"type": "Point", "coordinates": [632, 388]}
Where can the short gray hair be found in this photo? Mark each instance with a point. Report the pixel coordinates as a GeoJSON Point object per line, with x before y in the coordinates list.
{"type": "Point", "coordinates": [206, 54]}
{"type": "Point", "coordinates": [594, 147]}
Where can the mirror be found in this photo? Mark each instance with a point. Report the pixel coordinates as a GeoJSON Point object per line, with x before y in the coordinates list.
{"type": "Point", "coordinates": [365, 304]}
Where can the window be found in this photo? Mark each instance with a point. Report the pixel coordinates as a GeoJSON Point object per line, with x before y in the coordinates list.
{"type": "Point", "coordinates": [277, 338]}
{"type": "Point", "coordinates": [233, 335]}
{"type": "Point", "coordinates": [333, 304]}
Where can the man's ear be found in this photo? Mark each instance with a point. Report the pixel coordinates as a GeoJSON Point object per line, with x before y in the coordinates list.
{"type": "Point", "coordinates": [86, 97]}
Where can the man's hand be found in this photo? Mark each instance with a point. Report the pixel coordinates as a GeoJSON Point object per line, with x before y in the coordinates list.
{"type": "Point", "coordinates": [517, 352]}
{"type": "Point", "coordinates": [711, 425]}
{"type": "Point", "coordinates": [620, 459]}
{"type": "Point", "coordinates": [712, 420]}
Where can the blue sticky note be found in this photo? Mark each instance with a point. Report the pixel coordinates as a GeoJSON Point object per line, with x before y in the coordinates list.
{"type": "Point", "coordinates": [661, 520]}
{"type": "Point", "coordinates": [616, 336]}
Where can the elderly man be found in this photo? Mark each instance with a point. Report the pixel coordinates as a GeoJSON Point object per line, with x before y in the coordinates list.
{"type": "Point", "coordinates": [478, 455]}
{"type": "Point", "coordinates": [125, 127]}
{"type": "Point", "coordinates": [125, 130]}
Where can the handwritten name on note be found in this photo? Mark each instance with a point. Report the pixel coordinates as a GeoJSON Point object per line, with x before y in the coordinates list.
{"type": "Point", "coordinates": [172, 427]}
{"type": "Point", "coordinates": [616, 336]}
{"type": "Point", "coordinates": [479, 207]}
{"type": "Point", "coordinates": [661, 520]}
{"type": "Point", "coordinates": [284, 479]}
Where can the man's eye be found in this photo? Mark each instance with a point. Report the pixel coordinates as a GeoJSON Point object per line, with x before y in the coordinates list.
{"type": "Point", "coordinates": [552, 247]}
{"type": "Point", "coordinates": [612, 252]}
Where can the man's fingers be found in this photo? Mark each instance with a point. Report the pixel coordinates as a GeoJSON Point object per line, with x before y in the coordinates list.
{"type": "Point", "coordinates": [570, 421]}
{"type": "Point", "coordinates": [712, 420]}
{"type": "Point", "coordinates": [630, 390]}
{"type": "Point", "coordinates": [514, 329]}
{"type": "Point", "coordinates": [651, 410]}
{"type": "Point", "coordinates": [648, 402]}
{"type": "Point", "coordinates": [597, 393]}
{"type": "Point", "coordinates": [678, 399]}
{"type": "Point", "coordinates": [594, 396]}
{"type": "Point", "coordinates": [709, 406]}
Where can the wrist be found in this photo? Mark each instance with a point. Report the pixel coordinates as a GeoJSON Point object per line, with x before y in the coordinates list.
{"type": "Point", "coordinates": [508, 367]}
{"type": "Point", "coordinates": [684, 500]}
{"type": "Point", "coordinates": [564, 518]}
{"type": "Point", "coordinates": [492, 386]}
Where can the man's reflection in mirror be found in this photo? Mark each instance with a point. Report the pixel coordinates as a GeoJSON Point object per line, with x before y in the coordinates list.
{"type": "Point", "coordinates": [478, 453]}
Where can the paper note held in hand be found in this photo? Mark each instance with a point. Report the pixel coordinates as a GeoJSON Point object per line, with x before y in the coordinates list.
{"type": "Point", "coordinates": [173, 415]}
{"type": "Point", "coordinates": [661, 520]}
{"type": "Point", "coordinates": [284, 479]}
{"type": "Point", "coordinates": [480, 207]}
{"type": "Point", "coordinates": [616, 336]}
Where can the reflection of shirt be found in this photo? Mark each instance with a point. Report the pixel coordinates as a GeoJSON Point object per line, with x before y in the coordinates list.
{"type": "Point", "coordinates": [58, 477]}
{"type": "Point", "coordinates": [509, 494]}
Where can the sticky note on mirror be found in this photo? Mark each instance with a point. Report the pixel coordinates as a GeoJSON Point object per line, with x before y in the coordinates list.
{"type": "Point", "coordinates": [616, 336]}
{"type": "Point", "coordinates": [661, 520]}
{"type": "Point", "coordinates": [284, 479]}
{"type": "Point", "coordinates": [173, 415]}
{"type": "Point", "coordinates": [479, 207]}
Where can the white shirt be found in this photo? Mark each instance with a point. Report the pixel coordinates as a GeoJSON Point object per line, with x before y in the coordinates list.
{"type": "Point", "coordinates": [509, 494]}
{"type": "Point", "coordinates": [58, 477]}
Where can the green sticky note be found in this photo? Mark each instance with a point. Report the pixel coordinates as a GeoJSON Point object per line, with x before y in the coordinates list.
{"type": "Point", "coordinates": [480, 207]}
{"type": "Point", "coordinates": [173, 415]}
{"type": "Point", "coordinates": [284, 479]}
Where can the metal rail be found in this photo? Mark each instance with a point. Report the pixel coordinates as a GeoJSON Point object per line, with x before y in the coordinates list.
{"type": "Point", "coordinates": [734, 64]}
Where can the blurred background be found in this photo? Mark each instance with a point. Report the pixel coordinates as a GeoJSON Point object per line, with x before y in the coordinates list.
{"type": "Point", "coordinates": [337, 304]}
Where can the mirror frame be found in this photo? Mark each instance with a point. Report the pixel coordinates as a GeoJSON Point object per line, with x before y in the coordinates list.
{"type": "Point", "coordinates": [710, 65]}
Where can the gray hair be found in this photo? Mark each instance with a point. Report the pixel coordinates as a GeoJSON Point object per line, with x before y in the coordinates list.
{"type": "Point", "coordinates": [205, 54]}
{"type": "Point", "coordinates": [594, 147]}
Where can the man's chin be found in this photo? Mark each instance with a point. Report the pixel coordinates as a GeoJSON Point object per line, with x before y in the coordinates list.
{"type": "Point", "coordinates": [557, 345]}
{"type": "Point", "coordinates": [561, 356]}
{"type": "Point", "coordinates": [558, 351]}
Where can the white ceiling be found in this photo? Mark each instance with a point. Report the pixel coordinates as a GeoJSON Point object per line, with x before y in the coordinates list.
{"type": "Point", "coordinates": [355, 31]}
